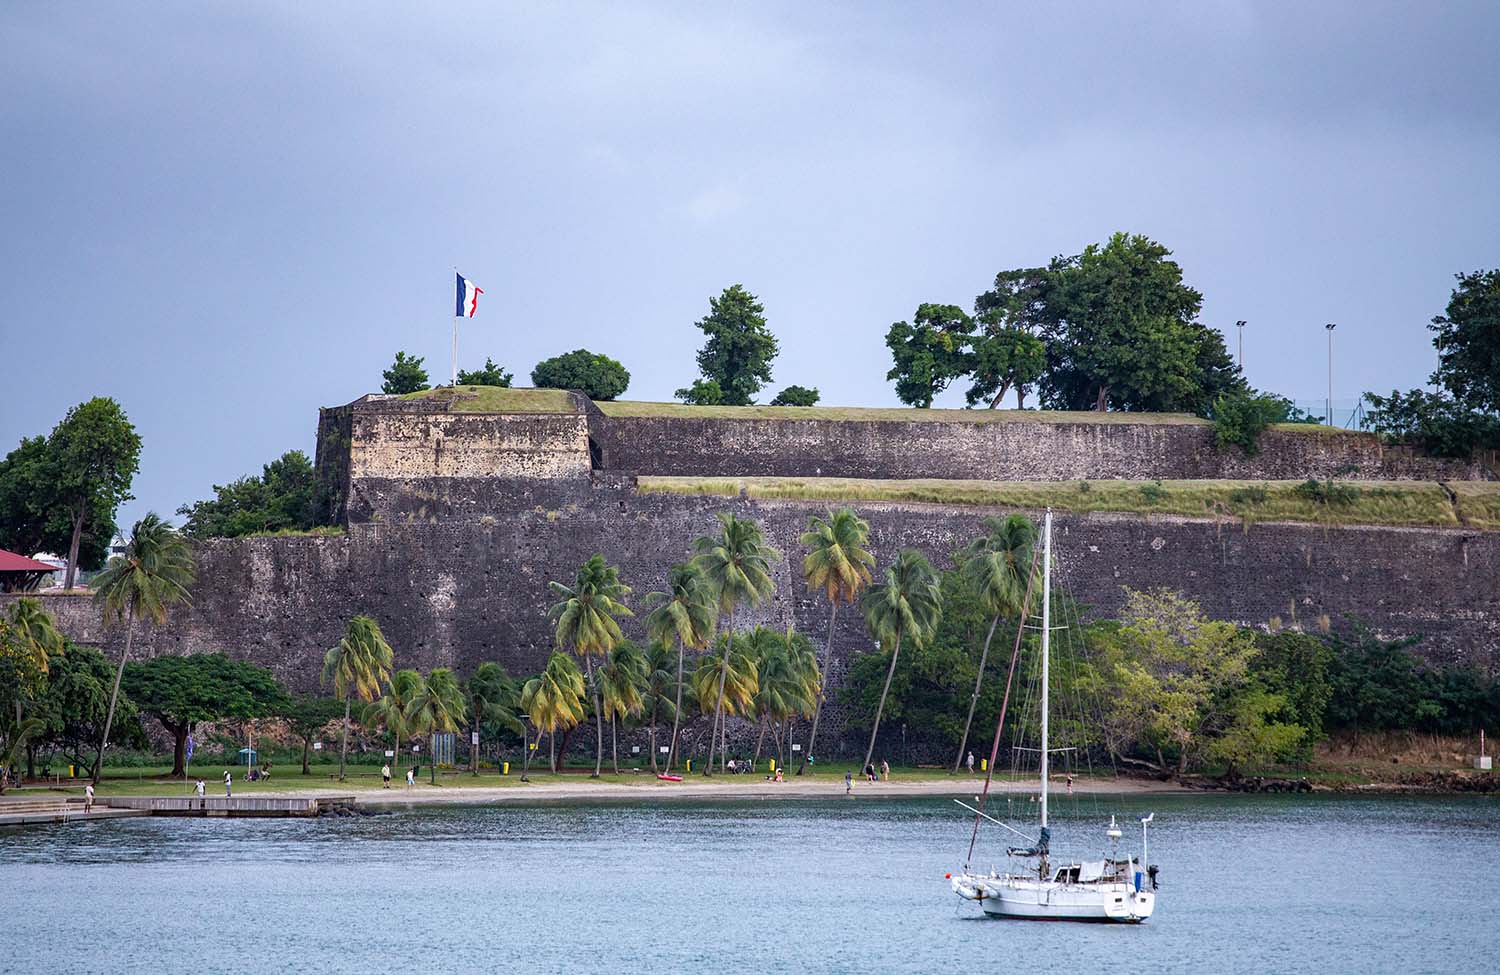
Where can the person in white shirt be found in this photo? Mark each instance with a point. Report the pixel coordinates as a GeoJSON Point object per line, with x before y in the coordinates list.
{"type": "Point", "coordinates": [228, 778]}
{"type": "Point", "coordinates": [385, 775]}
{"type": "Point", "coordinates": [88, 798]}
{"type": "Point", "coordinates": [411, 778]}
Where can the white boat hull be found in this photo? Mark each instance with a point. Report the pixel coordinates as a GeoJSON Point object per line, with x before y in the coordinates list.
{"type": "Point", "coordinates": [1036, 900]}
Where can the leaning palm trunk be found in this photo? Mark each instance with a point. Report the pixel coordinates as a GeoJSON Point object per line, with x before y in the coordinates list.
{"type": "Point", "coordinates": [114, 695]}
{"type": "Point", "coordinates": [760, 740]}
{"type": "Point", "coordinates": [719, 707]}
{"type": "Point", "coordinates": [598, 720]}
{"type": "Point", "coordinates": [974, 698]}
{"type": "Point", "coordinates": [822, 679]}
{"type": "Point", "coordinates": [879, 708]}
{"type": "Point", "coordinates": [677, 713]}
{"type": "Point", "coordinates": [344, 741]}
{"type": "Point", "coordinates": [653, 740]}
{"type": "Point", "coordinates": [614, 745]}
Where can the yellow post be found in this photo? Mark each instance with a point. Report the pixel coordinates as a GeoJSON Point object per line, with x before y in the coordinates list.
{"type": "Point", "coordinates": [773, 766]}
{"type": "Point", "coordinates": [690, 765]}
{"type": "Point", "coordinates": [504, 768]}
{"type": "Point", "coordinates": [72, 771]}
{"type": "Point", "coordinates": [984, 765]}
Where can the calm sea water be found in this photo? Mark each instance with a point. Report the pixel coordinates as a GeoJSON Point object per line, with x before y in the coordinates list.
{"type": "Point", "coordinates": [1249, 884]}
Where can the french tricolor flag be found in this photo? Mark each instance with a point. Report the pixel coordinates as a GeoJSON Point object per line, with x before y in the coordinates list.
{"type": "Point", "coordinates": [468, 297]}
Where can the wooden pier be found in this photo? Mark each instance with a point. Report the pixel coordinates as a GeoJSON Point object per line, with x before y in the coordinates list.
{"type": "Point", "coordinates": [46, 810]}
{"type": "Point", "coordinates": [236, 806]}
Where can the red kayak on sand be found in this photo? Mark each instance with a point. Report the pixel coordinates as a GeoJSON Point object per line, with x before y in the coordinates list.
{"type": "Point", "coordinates": [669, 778]}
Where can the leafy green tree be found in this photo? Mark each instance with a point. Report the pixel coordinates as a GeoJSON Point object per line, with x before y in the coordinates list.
{"type": "Point", "coordinates": [622, 688]}
{"type": "Point", "coordinates": [838, 562]}
{"type": "Point", "coordinates": [929, 352]}
{"type": "Point", "coordinates": [75, 703]}
{"type": "Point", "coordinates": [491, 375]}
{"type": "Point", "coordinates": [1437, 423]}
{"type": "Point", "coordinates": [685, 613]}
{"type": "Point", "coordinates": [906, 603]}
{"type": "Point", "coordinates": [1000, 568]}
{"type": "Point", "coordinates": [1004, 359]}
{"type": "Point", "coordinates": [1468, 342]}
{"type": "Point", "coordinates": [152, 576]}
{"type": "Point", "coordinates": [494, 705]}
{"type": "Point", "coordinates": [93, 455]}
{"type": "Point", "coordinates": [405, 375]}
{"type": "Point", "coordinates": [703, 392]}
{"type": "Point", "coordinates": [796, 396]}
{"type": "Point", "coordinates": [1253, 735]}
{"type": "Point", "coordinates": [359, 666]}
{"type": "Point", "coordinates": [740, 348]}
{"type": "Point", "coordinates": [1242, 415]}
{"type": "Point", "coordinates": [33, 518]}
{"type": "Point", "coordinates": [737, 563]}
{"type": "Point", "coordinates": [181, 692]}
{"type": "Point", "coordinates": [28, 639]}
{"type": "Point", "coordinates": [587, 616]}
{"type": "Point", "coordinates": [283, 497]}
{"type": "Point", "coordinates": [437, 706]}
{"type": "Point", "coordinates": [388, 711]}
{"type": "Point", "coordinates": [308, 716]}
{"type": "Point", "coordinates": [554, 701]}
{"type": "Point", "coordinates": [596, 376]}
{"type": "Point", "coordinates": [787, 679]}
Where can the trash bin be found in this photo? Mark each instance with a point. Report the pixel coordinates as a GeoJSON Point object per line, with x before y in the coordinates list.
{"type": "Point", "coordinates": [504, 768]}
{"type": "Point", "coordinates": [984, 765]}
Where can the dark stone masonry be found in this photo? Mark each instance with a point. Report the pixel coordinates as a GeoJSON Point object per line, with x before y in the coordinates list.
{"type": "Point", "coordinates": [455, 523]}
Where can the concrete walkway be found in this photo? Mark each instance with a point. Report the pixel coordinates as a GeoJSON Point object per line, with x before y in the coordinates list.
{"type": "Point", "coordinates": [28, 811]}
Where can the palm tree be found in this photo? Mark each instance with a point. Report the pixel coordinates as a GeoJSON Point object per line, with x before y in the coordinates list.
{"type": "Point", "coordinates": [357, 667]}
{"type": "Point", "coordinates": [622, 684]}
{"type": "Point", "coordinates": [1000, 567]}
{"type": "Point", "coordinates": [838, 563]}
{"type": "Point", "coordinates": [494, 700]}
{"type": "Point", "coordinates": [684, 614]}
{"type": "Point", "coordinates": [438, 706]}
{"type": "Point", "coordinates": [906, 603]}
{"type": "Point", "coordinates": [586, 621]}
{"type": "Point", "coordinates": [787, 682]}
{"type": "Point", "coordinates": [553, 699]}
{"type": "Point", "coordinates": [737, 563]}
{"type": "Point", "coordinates": [31, 631]}
{"type": "Point", "coordinates": [153, 574]}
{"type": "Point", "coordinates": [728, 677]}
{"type": "Point", "coordinates": [806, 677]}
{"type": "Point", "coordinates": [388, 711]}
{"type": "Point", "coordinates": [662, 692]}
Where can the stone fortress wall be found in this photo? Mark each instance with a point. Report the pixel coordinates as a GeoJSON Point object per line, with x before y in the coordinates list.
{"type": "Point", "coordinates": [455, 522]}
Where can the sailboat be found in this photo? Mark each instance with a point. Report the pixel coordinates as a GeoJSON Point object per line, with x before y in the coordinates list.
{"type": "Point", "coordinates": [1113, 888]}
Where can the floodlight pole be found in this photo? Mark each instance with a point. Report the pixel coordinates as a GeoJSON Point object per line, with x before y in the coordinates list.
{"type": "Point", "coordinates": [1240, 325]}
{"type": "Point", "coordinates": [1329, 328]}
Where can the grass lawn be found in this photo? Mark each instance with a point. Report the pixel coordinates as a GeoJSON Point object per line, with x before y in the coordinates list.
{"type": "Point", "coordinates": [497, 399]}
{"type": "Point", "coordinates": [884, 414]}
{"type": "Point", "coordinates": [1402, 503]}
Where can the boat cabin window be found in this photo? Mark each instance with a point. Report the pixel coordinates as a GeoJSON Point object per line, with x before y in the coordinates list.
{"type": "Point", "coordinates": [1066, 875]}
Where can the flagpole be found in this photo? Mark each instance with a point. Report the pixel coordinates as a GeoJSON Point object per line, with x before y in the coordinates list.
{"type": "Point", "coordinates": [455, 338]}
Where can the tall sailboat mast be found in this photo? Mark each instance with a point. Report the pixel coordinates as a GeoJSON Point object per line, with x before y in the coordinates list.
{"type": "Point", "coordinates": [1046, 649]}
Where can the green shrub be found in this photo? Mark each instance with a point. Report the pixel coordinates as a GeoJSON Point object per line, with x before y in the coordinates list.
{"type": "Point", "coordinates": [1329, 493]}
{"type": "Point", "coordinates": [1252, 495]}
{"type": "Point", "coordinates": [596, 376]}
{"type": "Point", "coordinates": [1240, 418]}
{"type": "Point", "coordinates": [1153, 492]}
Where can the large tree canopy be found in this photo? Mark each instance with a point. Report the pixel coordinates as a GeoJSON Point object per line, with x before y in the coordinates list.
{"type": "Point", "coordinates": [61, 493]}
{"type": "Point", "coordinates": [182, 691]}
{"type": "Point", "coordinates": [739, 350]}
{"type": "Point", "coordinates": [405, 375]}
{"type": "Point", "coordinates": [929, 352]}
{"type": "Point", "coordinates": [596, 376]}
{"type": "Point", "coordinates": [1468, 342]}
{"type": "Point", "coordinates": [283, 497]}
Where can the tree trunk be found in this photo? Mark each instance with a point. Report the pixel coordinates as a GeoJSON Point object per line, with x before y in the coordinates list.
{"type": "Point", "coordinates": [1101, 403]}
{"type": "Point", "coordinates": [526, 753]}
{"type": "Point", "coordinates": [473, 748]}
{"type": "Point", "coordinates": [1004, 388]}
{"type": "Point", "coordinates": [974, 698]}
{"type": "Point", "coordinates": [879, 708]}
{"type": "Point", "coordinates": [598, 719]}
{"type": "Point", "coordinates": [114, 695]}
{"type": "Point", "coordinates": [1020, 397]}
{"type": "Point", "coordinates": [822, 683]}
{"type": "Point", "coordinates": [719, 707]}
{"type": "Point", "coordinates": [306, 746]}
{"type": "Point", "coordinates": [677, 713]}
{"type": "Point", "coordinates": [653, 742]}
{"type": "Point", "coordinates": [614, 745]}
{"type": "Point", "coordinates": [72, 573]}
{"type": "Point", "coordinates": [432, 755]}
{"type": "Point", "coordinates": [760, 740]}
{"type": "Point", "coordinates": [344, 739]}
{"type": "Point", "coordinates": [179, 749]}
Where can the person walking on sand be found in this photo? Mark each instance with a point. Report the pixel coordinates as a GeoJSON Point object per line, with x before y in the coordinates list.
{"type": "Point", "coordinates": [1070, 783]}
{"type": "Point", "coordinates": [970, 762]}
{"type": "Point", "coordinates": [885, 770]}
{"type": "Point", "coordinates": [411, 778]}
{"type": "Point", "coordinates": [849, 783]}
{"type": "Point", "coordinates": [228, 780]}
{"type": "Point", "coordinates": [385, 775]}
{"type": "Point", "coordinates": [88, 798]}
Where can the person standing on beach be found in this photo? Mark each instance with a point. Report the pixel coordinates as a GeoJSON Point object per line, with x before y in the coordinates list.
{"type": "Point", "coordinates": [385, 775]}
{"type": "Point", "coordinates": [88, 798]}
{"type": "Point", "coordinates": [411, 778]}
{"type": "Point", "coordinates": [1070, 783]}
{"type": "Point", "coordinates": [849, 783]}
{"type": "Point", "coordinates": [228, 779]}
{"type": "Point", "coordinates": [885, 770]}
{"type": "Point", "coordinates": [970, 762]}
{"type": "Point", "coordinates": [199, 789]}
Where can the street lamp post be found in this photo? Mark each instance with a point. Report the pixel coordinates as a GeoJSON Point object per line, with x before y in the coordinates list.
{"type": "Point", "coordinates": [526, 749]}
{"type": "Point", "coordinates": [1240, 326]}
{"type": "Point", "coordinates": [1329, 328]}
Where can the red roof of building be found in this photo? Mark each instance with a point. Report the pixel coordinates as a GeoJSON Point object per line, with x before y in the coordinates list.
{"type": "Point", "coordinates": [11, 562]}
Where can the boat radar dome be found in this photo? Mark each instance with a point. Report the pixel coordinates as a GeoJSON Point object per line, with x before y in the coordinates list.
{"type": "Point", "coordinates": [1114, 831]}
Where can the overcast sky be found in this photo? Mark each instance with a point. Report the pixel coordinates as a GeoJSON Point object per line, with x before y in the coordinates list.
{"type": "Point", "coordinates": [226, 216]}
